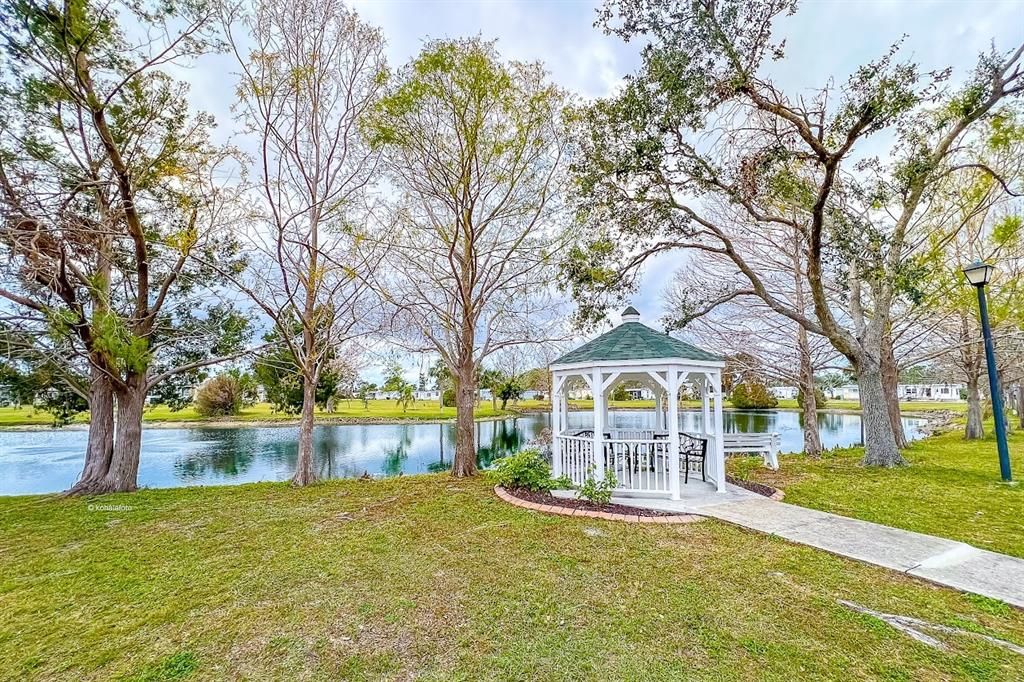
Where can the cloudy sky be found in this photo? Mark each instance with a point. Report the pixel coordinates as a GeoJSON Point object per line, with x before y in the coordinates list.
{"type": "Point", "coordinates": [824, 39]}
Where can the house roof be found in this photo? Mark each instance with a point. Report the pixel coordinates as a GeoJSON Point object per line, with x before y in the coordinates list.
{"type": "Point", "coordinates": [635, 341]}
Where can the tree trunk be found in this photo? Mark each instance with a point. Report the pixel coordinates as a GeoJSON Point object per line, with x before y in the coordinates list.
{"type": "Point", "coordinates": [464, 462]}
{"type": "Point", "coordinates": [812, 438]}
{"type": "Point", "coordinates": [100, 446]}
{"type": "Point", "coordinates": [880, 447]}
{"type": "Point", "coordinates": [974, 428]}
{"type": "Point", "coordinates": [304, 474]}
{"type": "Point", "coordinates": [890, 383]}
{"type": "Point", "coordinates": [124, 464]}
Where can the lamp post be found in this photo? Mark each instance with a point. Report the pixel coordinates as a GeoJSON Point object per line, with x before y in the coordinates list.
{"type": "Point", "coordinates": [979, 274]}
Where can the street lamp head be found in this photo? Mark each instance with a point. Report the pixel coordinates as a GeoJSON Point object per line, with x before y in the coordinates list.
{"type": "Point", "coordinates": [979, 274]}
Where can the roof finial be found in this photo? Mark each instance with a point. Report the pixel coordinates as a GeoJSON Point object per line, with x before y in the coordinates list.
{"type": "Point", "coordinates": [630, 314]}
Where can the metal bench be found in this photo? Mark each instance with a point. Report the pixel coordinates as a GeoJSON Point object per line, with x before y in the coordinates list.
{"type": "Point", "coordinates": [765, 444]}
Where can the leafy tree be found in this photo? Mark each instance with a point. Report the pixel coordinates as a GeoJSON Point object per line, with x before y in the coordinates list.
{"type": "Point", "coordinates": [777, 165]}
{"type": "Point", "coordinates": [509, 388]}
{"type": "Point", "coordinates": [220, 396]}
{"type": "Point", "coordinates": [820, 399]}
{"type": "Point", "coordinates": [473, 147]}
{"type": "Point", "coordinates": [406, 395]}
{"type": "Point", "coordinates": [752, 395]}
{"type": "Point", "coordinates": [109, 215]}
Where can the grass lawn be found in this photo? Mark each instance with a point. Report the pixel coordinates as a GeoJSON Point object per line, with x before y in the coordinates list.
{"type": "Point", "coordinates": [429, 578]}
{"type": "Point", "coordinates": [951, 489]}
{"type": "Point", "coordinates": [345, 410]}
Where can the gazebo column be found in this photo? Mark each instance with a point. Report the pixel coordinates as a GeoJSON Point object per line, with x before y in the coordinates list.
{"type": "Point", "coordinates": [658, 407]}
{"type": "Point", "coordinates": [705, 415]}
{"type": "Point", "coordinates": [557, 426]}
{"type": "Point", "coordinates": [719, 434]}
{"type": "Point", "coordinates": [597, 391]}
{"type": "Point", "coordinates": [673, 432]}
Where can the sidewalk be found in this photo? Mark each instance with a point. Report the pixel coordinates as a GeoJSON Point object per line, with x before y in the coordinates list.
{"type": "Point", "coordinates": [946, 562]}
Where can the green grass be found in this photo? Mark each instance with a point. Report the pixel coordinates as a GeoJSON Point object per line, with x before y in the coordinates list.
{"type": "Point", "coordinates": [345, 411]}
{"type": "Point", "coordinates": [951, 488]}
{"type": "Point", "coordinates": [429, 578]}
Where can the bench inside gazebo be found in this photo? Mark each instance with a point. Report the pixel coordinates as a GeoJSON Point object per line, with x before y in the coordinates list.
{"type": "Point", "coordinates": [658, 459]}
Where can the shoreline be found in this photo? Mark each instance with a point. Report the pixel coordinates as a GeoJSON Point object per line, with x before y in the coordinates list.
{"type": "Point", "coordinates": [266, 423]}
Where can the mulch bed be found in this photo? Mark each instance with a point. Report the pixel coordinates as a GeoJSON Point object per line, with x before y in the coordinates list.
{"type": "Point", "coordinates": [754, 486]}
{"type": "Point", "coordinates": [539, 497]}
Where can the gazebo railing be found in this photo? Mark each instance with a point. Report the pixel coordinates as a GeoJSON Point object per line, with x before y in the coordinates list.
{"type": "Point", "coordinates": [577, 456]}
{"type": "Point", "coordinates": [639, 464]}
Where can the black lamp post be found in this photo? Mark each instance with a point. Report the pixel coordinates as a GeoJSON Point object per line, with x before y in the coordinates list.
{"type": "Point", "coordinates": [979, 274]}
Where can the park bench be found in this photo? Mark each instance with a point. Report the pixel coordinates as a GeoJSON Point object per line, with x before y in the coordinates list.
{"type": "Point", "coordinates": [765, 444]}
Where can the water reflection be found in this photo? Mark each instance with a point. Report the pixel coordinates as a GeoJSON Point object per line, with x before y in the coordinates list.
{"type": "Point", "coordinates": [49, 461]}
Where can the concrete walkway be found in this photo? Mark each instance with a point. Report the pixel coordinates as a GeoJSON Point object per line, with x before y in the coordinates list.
{"type": "Point", "coordinates": [946, 562]}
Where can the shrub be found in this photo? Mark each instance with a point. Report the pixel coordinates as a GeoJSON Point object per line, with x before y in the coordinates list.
{"type": "Point", "coordinates": [525, 469]}
{"type": "Point", "coordinates": [448, 397]}
{"type": "Point", "coordinates": [598, 492]}
{"type": "Point", "coordinates": [819, 398]}
{"type": "Point", "coordinates": [220, 396]}
{"type": "Point", "coordinates": [752, 395]}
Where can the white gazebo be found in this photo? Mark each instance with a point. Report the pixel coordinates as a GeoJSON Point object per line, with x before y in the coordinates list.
{"type": "Point", "coordinates": [647, 461]}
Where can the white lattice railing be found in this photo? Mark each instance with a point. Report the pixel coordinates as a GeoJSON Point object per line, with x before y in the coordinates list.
{"type": "Point", "coordinates": [576, 455]}
{"type": "Point", "coordinates": [638, 464]}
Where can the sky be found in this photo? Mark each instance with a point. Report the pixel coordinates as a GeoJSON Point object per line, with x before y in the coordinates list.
{"type": "Point", "coordinates": [824, 39]}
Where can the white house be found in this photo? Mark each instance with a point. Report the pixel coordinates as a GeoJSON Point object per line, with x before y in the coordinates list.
{"type": "Point", "coordinates": [937, 392]}
{"type": "Point", "coordinates": [784, 392]}
{"type": "Point", "coordinates": [845, 392]}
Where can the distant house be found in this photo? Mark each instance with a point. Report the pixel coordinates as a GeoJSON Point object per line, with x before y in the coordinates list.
{"type": "Point", "coordinates": [784, 392]}
{"type": "Point", "coordinates": [937, 392]}
{"type": "Point", "coordinates": [641, 393]}
{"type": "Point", "coordinates": [845, 392]}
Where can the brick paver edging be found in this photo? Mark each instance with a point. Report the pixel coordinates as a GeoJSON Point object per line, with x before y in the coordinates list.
{"type": "Point", "coordinates": [586, 513]}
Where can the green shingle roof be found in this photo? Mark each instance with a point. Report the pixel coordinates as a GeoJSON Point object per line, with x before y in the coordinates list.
{"type": "Point", "coordinates": [634, 341]}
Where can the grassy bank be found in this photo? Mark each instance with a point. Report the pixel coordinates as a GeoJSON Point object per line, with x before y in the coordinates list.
{"type": "Point", "coordinates": [376, 410]}
{"type": "Point", "coordinates": [435, 579]}
{"type": "Point", "coordinates": [951, 488]}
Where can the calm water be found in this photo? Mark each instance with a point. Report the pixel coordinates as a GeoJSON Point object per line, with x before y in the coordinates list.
{"type": "Point", "coordinates": [49, 461]}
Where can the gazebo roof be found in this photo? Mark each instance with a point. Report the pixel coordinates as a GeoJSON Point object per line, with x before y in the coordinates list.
{"type": "Point", "coordinates": [635, 341]}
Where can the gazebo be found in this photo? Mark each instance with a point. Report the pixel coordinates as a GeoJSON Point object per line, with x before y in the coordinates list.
{"type": "Point", "coordinates": [647, 461]}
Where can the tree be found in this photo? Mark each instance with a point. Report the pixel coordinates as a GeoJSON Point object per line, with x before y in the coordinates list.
{"type": "Point", "coordinates": [220, 396]}
{"type": "Point", "coordinates": [109, 208]}
{"type": "Point", "coordinates": [443, 380]}
{"type": "Point", "coordinates": [646, 179]}
{"type": "Point", "coordinates": [752, 395]}
{"type": "Point", "coordinates": [313, 71]}
{"type": "Point", "coordinates": [976, 217]}
{"type": "Point", "coordinates": [406, 396]}
{"type": "Point", "coordinates": [473, 147]}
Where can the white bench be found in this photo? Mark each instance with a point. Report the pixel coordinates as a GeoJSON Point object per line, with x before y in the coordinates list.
{"type": "Point", "coordinates": [765, 444]}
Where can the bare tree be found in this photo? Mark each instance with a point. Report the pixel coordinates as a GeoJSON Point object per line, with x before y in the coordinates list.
{"type": "Point", "coordinates": [314, 69]}
{"type": "Point", "coordinates": [474, 148]}
{"type": "Point", "coordinates": [701, 120]}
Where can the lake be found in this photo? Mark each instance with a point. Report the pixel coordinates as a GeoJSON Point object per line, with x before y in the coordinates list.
{"type": "Point", "coordinates": [46, 461]}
